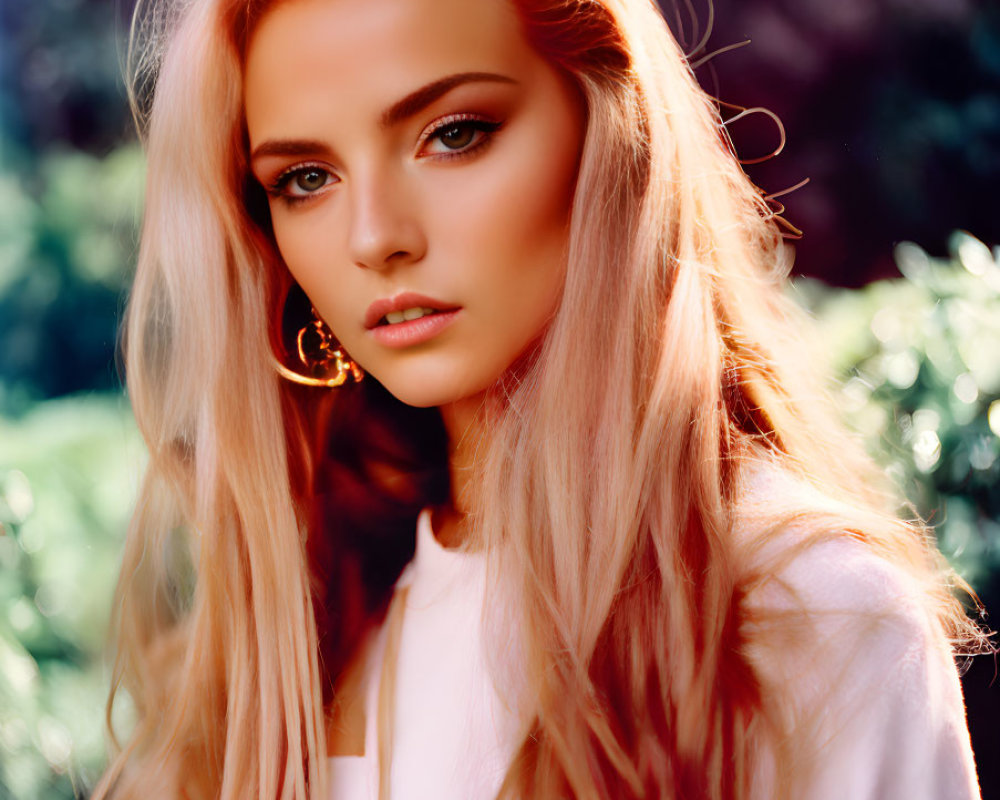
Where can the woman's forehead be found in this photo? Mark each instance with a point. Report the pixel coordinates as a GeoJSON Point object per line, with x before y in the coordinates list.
{"type": "Point", "coordinates": [308, 60]}
{"type": "Point", "coordinates": [363, 41]}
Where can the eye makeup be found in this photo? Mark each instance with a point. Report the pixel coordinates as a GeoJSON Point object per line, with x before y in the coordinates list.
{"type": "Point", "coordinates": [449, 133]}
{"type": "Point", "coordinates": [285, 185]}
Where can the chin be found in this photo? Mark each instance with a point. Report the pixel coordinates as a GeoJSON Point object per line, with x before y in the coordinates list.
{"type": "Point", "coordinates": [429, 391]}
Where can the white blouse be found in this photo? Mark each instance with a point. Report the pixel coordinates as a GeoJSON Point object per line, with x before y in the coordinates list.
{"type": "Point", "coordinates": [452, 738]}
{"type": "Point", "coordinates": [869, 674]}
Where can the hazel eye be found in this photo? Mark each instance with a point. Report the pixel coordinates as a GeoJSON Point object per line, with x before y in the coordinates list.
{"type": "Point", "coordinates": [310, 180]}
{"type": "Point", "coordinates": [459, 136]}
{"type": "Point", "coordinates": [301, 183]}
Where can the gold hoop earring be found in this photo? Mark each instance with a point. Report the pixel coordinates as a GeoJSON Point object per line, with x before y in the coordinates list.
{"type": "Point", "coordinates": [325, 361]}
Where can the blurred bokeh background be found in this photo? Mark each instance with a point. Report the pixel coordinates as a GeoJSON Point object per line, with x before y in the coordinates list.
{"type": "Point", "coordinates": [892, 111]}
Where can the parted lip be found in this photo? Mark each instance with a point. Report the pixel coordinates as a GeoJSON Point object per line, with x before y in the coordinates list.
{"type": "Point", "coordinates": [377, 310]}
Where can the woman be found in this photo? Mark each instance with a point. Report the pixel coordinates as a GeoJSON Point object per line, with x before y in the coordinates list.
{"type": "Point", "coordinates": [647, 563]}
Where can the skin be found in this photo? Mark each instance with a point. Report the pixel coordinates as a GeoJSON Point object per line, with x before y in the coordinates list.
{"type": "Point", "coordinates": [475, 217]}
{"type": "Point", "coordinates": [483, 228]}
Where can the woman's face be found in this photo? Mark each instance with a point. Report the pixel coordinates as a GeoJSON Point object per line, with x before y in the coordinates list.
{"type": "Point", "coordinates": [420, 160]}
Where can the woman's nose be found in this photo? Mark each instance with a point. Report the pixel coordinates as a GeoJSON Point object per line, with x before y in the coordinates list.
{"type": "Point", "coordinates": [385, 225]}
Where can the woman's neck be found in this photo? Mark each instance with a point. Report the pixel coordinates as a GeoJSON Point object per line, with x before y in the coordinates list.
{"type": "Point", "coordinates": [463, 423]}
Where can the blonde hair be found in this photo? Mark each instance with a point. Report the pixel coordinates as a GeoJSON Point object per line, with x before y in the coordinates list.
{"type": "Point", "coordinates": [609, 480]}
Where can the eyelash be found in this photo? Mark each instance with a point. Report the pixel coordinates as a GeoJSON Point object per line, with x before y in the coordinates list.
{"type": "Point", "coordinates": [279, 187]}
{"type": "Point", "coordinates": [485, 127]}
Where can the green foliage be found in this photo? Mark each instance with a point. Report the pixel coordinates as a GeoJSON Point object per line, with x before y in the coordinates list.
{"type": "Point", "coordinates": [67, 239]}
{"type": "Point", "coordinates": [68, 473]}
{"type": "Point", "coordinates": [919, 357]}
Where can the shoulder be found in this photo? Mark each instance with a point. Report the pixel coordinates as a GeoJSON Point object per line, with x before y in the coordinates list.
{"type": "Point", "coordinates": [805, 551]}
{"type": "Point", "coordinates": [847, 646]}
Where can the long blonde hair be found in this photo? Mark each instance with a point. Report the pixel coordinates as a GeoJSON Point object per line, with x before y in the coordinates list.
{"type": "Point", "coordinates": [609, 478]}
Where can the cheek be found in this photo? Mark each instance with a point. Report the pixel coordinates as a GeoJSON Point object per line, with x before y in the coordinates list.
{"type": "Point", "coordinates": [305, 242]}
{"type": "Point", "coordinates": [532, 214]}
{"type": "Point", "coordinates": [512, 218]}
{"type": "Point", "coordinates": [292, 248]}
{"type": "Point", "coordinates": [302, 237]}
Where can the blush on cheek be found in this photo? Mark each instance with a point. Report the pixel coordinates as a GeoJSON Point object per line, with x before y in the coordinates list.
{"type": "Point", "coordinates": [528, 206]}
{"type": "Point", "coordinates": [549, 200]}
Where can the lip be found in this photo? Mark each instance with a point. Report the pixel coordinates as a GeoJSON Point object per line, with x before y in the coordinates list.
{"type": "Point", "coordinates": [401, 302]}
{"type": "Point", "coordinates": [414, 331]}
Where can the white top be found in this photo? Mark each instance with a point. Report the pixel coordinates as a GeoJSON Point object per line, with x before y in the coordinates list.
{"type": "Point", "coordinates": [453, 737]}
{"type": "Point", "coordinates": [866, 668]}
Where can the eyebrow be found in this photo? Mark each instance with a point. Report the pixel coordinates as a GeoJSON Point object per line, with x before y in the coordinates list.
{"type": "Point", "coordinates": [288, 147]}
{"type": "Point", "coordinates": [413, 103]}
{"type": "Point", "coordinates": [419, 100]}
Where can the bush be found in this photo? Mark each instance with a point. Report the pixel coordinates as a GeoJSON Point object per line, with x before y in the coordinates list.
{"type": "Point", "coordinates": [919, 360]}
{"type": "Point", "coordinates": [68, 473]}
